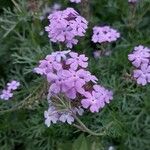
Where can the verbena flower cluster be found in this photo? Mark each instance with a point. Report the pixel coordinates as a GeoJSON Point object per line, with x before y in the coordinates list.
{"type": "Point", "coordinates": [140, 58]}
{"type": "Point", "coordinates": [7, 93]}
{"type": "Point", "coordinates": [104, 34]}
{"type": "Point", "coordinates": [75, 1]}
{"type": "Point", "coordinates": [65, 26]}
{"type": "Point", "coordinates": [67, 75]}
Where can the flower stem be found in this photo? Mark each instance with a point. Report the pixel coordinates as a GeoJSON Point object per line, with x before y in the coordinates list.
{"type": "Point", "coordinates": [16, 5]}
{"type": "Point", "coordinates": [86, 129]}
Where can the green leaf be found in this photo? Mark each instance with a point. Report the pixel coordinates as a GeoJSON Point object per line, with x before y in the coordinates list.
{"type": "Point", "coordinates": [80, 143]}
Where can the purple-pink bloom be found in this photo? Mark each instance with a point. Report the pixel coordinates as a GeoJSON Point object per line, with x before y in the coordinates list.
{"type": "Point", "coordinates": [66, 117]}
{"type": "Point", "coordinates": [104, 34]}
{"type": "Point", "coordinates": [96, 99]}
{"type": "Point", "coordinates": [13, 85]}
{"type": "Point", "coordinates": [65, 26]}
{"type": "Point", "coordinates": [139, 56]}
{"type": "Point", "coordinates": [49, 64]}
{"type": "Point", "coordinates": [74, 82]}
{"type": "Point", "coordinates": [142, 75]}
{"type": "Point", "coordinates": [60, 55]}
{"type": "Point", "coordinates": [75, 1]}
{"type": "Point", "coordinates": [6, 95]}
{"type": "Point", "coordinates": [77, 61]}
{"type": "Point", "coordinates": [51, 116]}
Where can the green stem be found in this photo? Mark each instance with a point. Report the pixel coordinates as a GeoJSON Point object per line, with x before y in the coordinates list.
{"type": "Point", "coordinates": [86, 129]}
{"type": "Point", "coordinates": [22, 103]}
{"type": "Point", "coordinates": [16, 5]}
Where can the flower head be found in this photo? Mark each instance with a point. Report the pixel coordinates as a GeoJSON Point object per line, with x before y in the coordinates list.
{"type": "Point", "coordinates": [77, 61]}
{"type": "Point", "coordinates": [71, 85]}
{"type": "Point", "coordinates": [142, 75]}
{"type": "Point", "coordinates": [13, 85]}
{"type": "Point", "coordinates": [65, 26]}
{"type": "Point", "coordinates": [104, 34]}
{"type": "Point", "coordinates": [75, 1]}
{"type": "Point", "coordinates": [140, 55]}
{"type": "Point", "coordinates": [51, 116]}
{"type": "Point", "coordinates": [97, 98]}
{"type": "Point", "coordinates": [140, 59]}
{"type": "Point", "coordinates": [6, 95]}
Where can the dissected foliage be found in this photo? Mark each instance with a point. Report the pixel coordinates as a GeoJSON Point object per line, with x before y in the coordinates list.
{"type": "Point", "coordinates": [23, 43]}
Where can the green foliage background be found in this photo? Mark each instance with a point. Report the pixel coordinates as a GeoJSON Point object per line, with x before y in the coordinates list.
{"type": "Point", "coordinates": [23, 43]}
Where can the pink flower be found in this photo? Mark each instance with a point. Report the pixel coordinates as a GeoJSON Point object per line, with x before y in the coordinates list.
{"type": "Point", "coordinates": [104, 34]}
{"type": "Point", "coordinates": [77, 60]}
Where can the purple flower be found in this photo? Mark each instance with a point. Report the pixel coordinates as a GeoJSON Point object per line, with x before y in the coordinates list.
{"type": "Point", "coordinates": [65, 26]}
{"type": "Point", "coordinates": [140, 55]}
{"type": "Point", "coordinates": [13, 85]}
{"type": "Point", "coordinates": [78, 110]}
{"type": "Point", "coordinates": [142, 75]}
{"type": "Point", "coordinates": [104, 34]}
{"type": "Point", "coordinates": [75, 1]}
{"type": "Point", "coordinates": [49, 64]}
{"type": "Point", "coordinates": [6, 95]}
{"type": "Point", "coordinates": [97, 98]}
{"type": "Point", "coordinates": [103, 93]}
{"type": "Point", "coordinates": [77, 60]}
{"type": "Point", "coordinates": [51, 116]}
{"type": "Point", "coordinates": [57, 83]}
{"type": "Point", "coordinates": [67, 77]}
{"type": "Point", "coordinates": [74, 82]}
{"type": "Point", "coordinates": [92, 102]}
{"type": "Point", "coordinates": [52, 61]}
{"type": "Point", "coordinates": [59, 55]}
{"type": "Point", "coordinates": [66, 117]}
